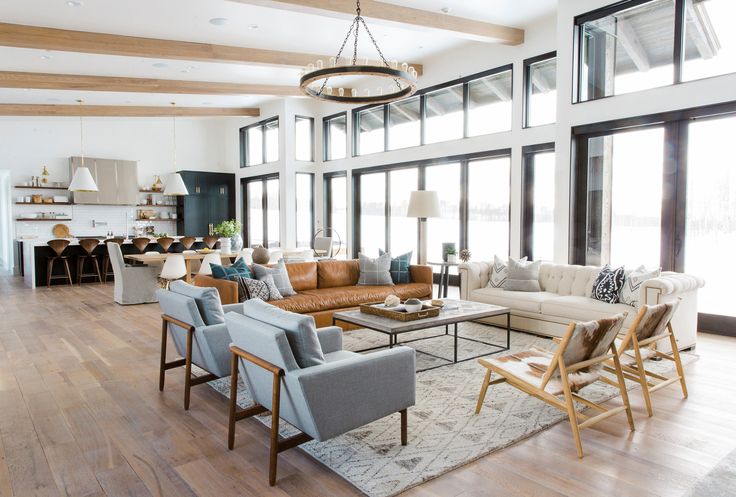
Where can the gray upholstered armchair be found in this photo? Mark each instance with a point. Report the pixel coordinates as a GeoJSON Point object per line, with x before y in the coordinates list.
{"type": "Point", "coordinates": [342, 392]}
{"type": "Point", "coordinates": [133, 284]}
{"type": "Point", "coordinates": [195, 320]}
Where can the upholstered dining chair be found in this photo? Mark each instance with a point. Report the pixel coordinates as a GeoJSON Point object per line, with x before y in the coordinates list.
{"type": "Point", "coordinates": [133, 284]}
{"type": "Point", "coordinates": [652, 324]}
{"type": "Point", "coordinates": [576, 363]}
{"type": "Point", "coordinates": [106, 271]}
{"type": "Point", "coordinates": [194, 319]}
{"type": "Point", "coordinates": [326, 397]}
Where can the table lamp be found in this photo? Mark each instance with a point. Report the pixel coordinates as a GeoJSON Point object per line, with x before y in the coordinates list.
{"type": "Point", "coordinates": [423, 204]}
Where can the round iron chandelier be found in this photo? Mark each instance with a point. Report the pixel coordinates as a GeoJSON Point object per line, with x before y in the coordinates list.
{"type": "Point", "coordinates": [401, 78]}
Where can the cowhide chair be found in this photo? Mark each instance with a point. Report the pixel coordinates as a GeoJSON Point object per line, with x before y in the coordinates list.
{"type": "Point", "coordinates": [651, 325]}
{"type": "Point", "coordinates": [576, 363]}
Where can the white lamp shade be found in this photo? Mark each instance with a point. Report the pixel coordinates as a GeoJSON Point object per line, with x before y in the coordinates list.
{"type": "Point", "coordinates": [213, 258]}
{"type": "Point", "coordinates": [175, 185]}
{"type": "Point", "coordinates": [424, 203]}
{"type": "Point", "coordinates": [83, 181]}
{"type": "Point", "coordinates": [174, 267]}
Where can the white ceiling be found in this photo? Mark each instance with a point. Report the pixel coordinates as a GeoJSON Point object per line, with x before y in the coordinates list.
{"type": "Point", "coordinates": [188, 20]}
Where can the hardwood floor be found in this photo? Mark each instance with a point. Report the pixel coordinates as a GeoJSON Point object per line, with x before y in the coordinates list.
{"type": "Point", "coordinates": [81, 415]}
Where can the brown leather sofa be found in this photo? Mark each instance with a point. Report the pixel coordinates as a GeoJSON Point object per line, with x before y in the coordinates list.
{"type": "Point", "coordinates": [327, 286]}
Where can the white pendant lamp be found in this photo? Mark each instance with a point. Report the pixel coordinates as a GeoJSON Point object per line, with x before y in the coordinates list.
{"type": "Point", "coordinates": [82, 180]}
{"type": "Point", "coordinates": [175, 184]}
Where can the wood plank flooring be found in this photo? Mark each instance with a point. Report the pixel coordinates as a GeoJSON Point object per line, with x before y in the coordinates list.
{"type": "Point", "coordinates": [81, 416]}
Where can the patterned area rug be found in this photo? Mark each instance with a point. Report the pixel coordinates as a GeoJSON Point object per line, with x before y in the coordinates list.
{"type": "Point", "coordinates": [444, 433]}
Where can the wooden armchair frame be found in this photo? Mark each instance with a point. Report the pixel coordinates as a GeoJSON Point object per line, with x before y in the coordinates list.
{"type": "Point", "coordinates": [578, 421]}
{"type": "Point", "coordinates": [186, 361]}
{"type": "Point", "coordinates": [638, 372]}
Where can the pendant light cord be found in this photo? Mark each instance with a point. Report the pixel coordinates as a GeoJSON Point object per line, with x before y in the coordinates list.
{"type": "Point", "coordinates": [81, 132]}
{"type": "Point", "coordinates": [174, 129]}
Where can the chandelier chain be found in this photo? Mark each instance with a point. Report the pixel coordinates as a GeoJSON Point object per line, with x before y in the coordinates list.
{"type": "Point", "coordinates": [339, 53]}
{"type": "Point", "coordinates": [378, 49]}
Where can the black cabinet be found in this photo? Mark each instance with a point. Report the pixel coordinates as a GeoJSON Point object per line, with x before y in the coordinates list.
{"type": "Point", "coordinates": [211, 200]}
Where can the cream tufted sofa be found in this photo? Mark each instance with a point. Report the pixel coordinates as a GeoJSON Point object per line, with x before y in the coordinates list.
{"type": "Point", "coordinates": [565, 297]}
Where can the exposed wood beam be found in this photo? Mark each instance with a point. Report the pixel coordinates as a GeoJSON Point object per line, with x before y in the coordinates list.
{"type": "Point", "coordinates": [122, 111]}
{"type": "Point", "coordinates": [17, 35]}
{"type": "Point", "coordinates": [46, 81]}
{"type": "Point", "coordinates": [404, 17]}
{"type": "Point", "coordinates": [630, 41]}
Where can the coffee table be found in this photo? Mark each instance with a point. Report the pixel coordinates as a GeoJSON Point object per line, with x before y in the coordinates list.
{"type": "Point", "coordinates": [455, 311]}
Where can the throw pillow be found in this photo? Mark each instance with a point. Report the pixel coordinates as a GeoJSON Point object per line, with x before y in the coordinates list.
{"type": "Point", "coordinates": [375, 271]}
{"type": "Point", "coordinates": [264, 289]}
{"type": "Point", "coordinates": [499, 273]}
{"type": "Point", "coordinates": [238, 268]}
{"type": "Point", "coordinates": [206, 298]}
{"type": "Point", "coordinates": [608, 284]}
{"type": "Point", "coordinates": [300, 329]}
{"type": "Point", "coordinates": [631, 289]}
{"type": "Point", "coordinates": [522, 276]}
{"type": "Point", "coordinates": [399, 269]}
{"type": "Point", "coordinates": [280, 277]}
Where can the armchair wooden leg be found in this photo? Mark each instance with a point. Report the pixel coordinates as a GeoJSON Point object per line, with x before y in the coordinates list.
{"type": "Point", "coordinates": [233, 402]}
{"type": "Point", "coordinates": [188, 370]}
{"type": "Point", "coordinates": [678, 362]}
{"type": "Point", "coordinates": [275, 406]}
{"type": "Point", "coordinates": [622, 387]}
{"type": "Point", "coordinates": [403, 427]}
{"type": "Point", "coordinates": [570, 408]}
{"type": "Point", "coordinates": [643, 379]}
{"type": "Point", "coordinates": [483, 390]}
{"type": "Point", "coordinates": [162, 371]}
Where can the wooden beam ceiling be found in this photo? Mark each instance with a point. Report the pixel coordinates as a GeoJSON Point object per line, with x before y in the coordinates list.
{"type": "Point", "coordinates": [21, 36]}
{"type": "Point", "coordinates": [400, 16]}
{"type": "Point", "coordinates": [47, 81]}
{"type": "Point", "coordinates": [123, 111]}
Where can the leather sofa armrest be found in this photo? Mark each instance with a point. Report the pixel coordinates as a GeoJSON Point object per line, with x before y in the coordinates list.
{"type": "Point", "coordinates": [227, 289]}
{"type": "Point", "coordinates": [421, 274]}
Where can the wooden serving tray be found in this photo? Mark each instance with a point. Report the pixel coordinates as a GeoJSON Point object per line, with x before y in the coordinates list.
{"type": "Point", "coordinates": [377, 309]}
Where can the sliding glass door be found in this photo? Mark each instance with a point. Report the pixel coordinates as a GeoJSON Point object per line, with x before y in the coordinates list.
{"type": "Point", "coordinates": [261, 210]}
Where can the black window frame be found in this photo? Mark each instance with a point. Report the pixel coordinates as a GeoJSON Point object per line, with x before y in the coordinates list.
{"type": "Point", "coordinates": [527, 90]}
{"type": "Point", "coordinates": [464, 81]}
{"type": "Point", "coordinates": [312, 139]}
{"type": "Point", "coordinates": [312, 184]}
{"type": "Point", "coordinates": [243, 133]}
{"type": "Point", "coordinates": [327, 137]}
{"type": "Point", "coordinates": [528, 155]}
{"type": "Point", "coordinates": [327, 196]}
{"type": "Point", "coordinates": [245, 213]}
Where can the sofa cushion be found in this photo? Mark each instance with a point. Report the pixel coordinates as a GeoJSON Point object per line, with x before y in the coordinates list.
{"type": "Point", "coordinates": [207, 299]}
{"type": "Point", "coordinates": [375, 271]}
{"type": "Point", "coordinates": [300, 330]}
{"type": "Point", "coordinates": [499, 272]}
{"type": "Point", "coordinates": [522, 276]}
{"type": "Point", "coordinates": [521, 301]}
{"type": "Point", "coordinates": [331, 274]}
{"type": "Point", "coordinates": [631, 288]}
{"type": "Point", "coordinates": [577, 308]}
{"type": "Point", "coordinates": [608, 284]}
{"type": "Point", "coordinates": [399, 269]}
{"type": "Point", "coordinates": [350, 296]}
{"type": "Point", "coordinates": [279, 274]}
{"type": "Point", "coordinates": [238, 268]}
{"type": "Point", "coordinates": [568, 279]}
{"type": "Point", "coordinates": [302, 275]}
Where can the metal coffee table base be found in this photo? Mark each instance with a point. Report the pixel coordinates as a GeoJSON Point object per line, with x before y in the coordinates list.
{"type": "Point", "coordinates": [393, 340]}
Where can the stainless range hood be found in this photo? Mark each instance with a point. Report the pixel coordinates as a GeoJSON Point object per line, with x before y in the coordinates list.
{"type": "Point", "coordinates": [117, 181]}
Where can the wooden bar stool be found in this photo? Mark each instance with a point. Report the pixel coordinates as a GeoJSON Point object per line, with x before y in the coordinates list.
{"type": "Point", "coordinates": [88, 245]}
{"type": "Point", "coordinates": [58, 245]}
{"type": "Point", "coordinates": [187, 242]}
{"type": "Point", "coordinates": [165, 242]}
{"type": "Point", "coordinates": [106, 271]}
{"type": "Point", "coordinates": [141, 243]}
{"type": "Point", "coordinates": [210, 241]}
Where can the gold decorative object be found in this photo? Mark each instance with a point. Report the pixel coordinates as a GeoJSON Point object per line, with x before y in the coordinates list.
{"type": "Point", "coordinates": [45, 176]}
{"type": "Point", "coordinates": [158, 185]}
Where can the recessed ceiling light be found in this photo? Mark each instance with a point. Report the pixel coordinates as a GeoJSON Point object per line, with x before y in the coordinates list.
{"type": "Point", "coordinates": [206, 103]}
{"type": "Point", "coordinates": [46, 57]}
{"type": "Point", "coordinates": [446, 10]}
{"type": "Point", "coordinates": [252, 26]}
{"type": "Point", "coordinates": [218, 21]}
{"type": "Point", "coordinates": [160, 65]}
{"type": "Point", "coordinates": [53, 100]}
{"type": "Point", "coordinates": [74, 3]}
{"type": "Point", "coordinates": [420, 47]}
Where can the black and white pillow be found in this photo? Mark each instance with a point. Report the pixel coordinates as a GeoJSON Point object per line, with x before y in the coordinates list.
{"type": "Point", "coordinates": [631, 289]}
{"type": "Point", "coordinates": [608, 284]}
{"type": "Point", "coordinates": [265, 289]}
{"type": "Point", "coordinates": [499, 272]}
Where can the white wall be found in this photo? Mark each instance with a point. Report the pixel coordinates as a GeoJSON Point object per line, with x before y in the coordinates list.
{"type": "Point", "coordinates": [29, 143]}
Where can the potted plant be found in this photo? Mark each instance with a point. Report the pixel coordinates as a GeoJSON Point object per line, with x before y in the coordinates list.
{"type": "Point", "coordinates": [451, 254]}
{"type": "Point", "coordinates": [227, 230]}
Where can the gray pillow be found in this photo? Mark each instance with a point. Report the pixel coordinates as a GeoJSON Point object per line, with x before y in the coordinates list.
{"type": "Point", "coordinates": [280, 277]}
{"type": "Point", "coordinates": [522, 276]}
{"type": "Point", "coordinates": [300, 329]}
{"type": "Point", "coordinates": [375, 271]}
{"type": "Point", "coordinates": [207, 299]}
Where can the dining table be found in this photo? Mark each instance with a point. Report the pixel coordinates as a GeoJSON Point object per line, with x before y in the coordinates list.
{"type": "Point", "coordinates": [160, 258]}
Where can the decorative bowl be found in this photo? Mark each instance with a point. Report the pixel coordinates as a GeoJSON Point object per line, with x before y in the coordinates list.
{"type": "Point", "coordinates": [413, 305]}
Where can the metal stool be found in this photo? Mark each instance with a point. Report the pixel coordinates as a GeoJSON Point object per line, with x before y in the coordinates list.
{"type": "Point", "coordinates": [89, 245]}
{"type": "Point", "coordinates": [106, 258]}
{"type": "Point", "coordinates": [58, 246]}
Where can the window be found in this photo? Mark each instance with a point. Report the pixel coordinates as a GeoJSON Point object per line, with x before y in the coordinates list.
{"type": "Point", "coordinates": [444, 114]}
{"type": "Point", "coordinates": [335, 136]}
{"type": "Point", "coordinates": [259, 143]}
{"type": "Point", "coordinates": [540, 90]}
{"type": "Point", "coordinates": [336, 212]}
{"type": "Point", "coordinates": [445, 180]}
{"type": "Point", "coordinates": [404, 129]}
{"type": "Point", "coordinates": [261, 210]}
{"type": "Point", "coordinates": [489, 183]}
{"type": "Point", "coordinates": [372, 213]}
{"type": "Point", "coordinates": [304, 138]}
{"type": "Point", "coordinates": [489, 104]}
{"type": "Point", "coordinates": [710, 40]}
{"type": "Point", "coordinates": [370, 131]}
{"type": "Point", "coordinates": [538, 202]}
{"type": "Point", "coordinates": [622, 50]}
{"type": "Point", "coordinates": [402, 230]}
{"type": "Point", "coordinates": [304, 209]}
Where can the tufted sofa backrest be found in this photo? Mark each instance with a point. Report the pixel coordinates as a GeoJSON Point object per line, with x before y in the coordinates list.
{"type": "Point", "coordinates": [567, 279]}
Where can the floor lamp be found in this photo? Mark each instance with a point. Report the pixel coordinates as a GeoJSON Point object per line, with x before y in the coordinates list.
{"type": "Point", "coordinates": [423, 204]}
